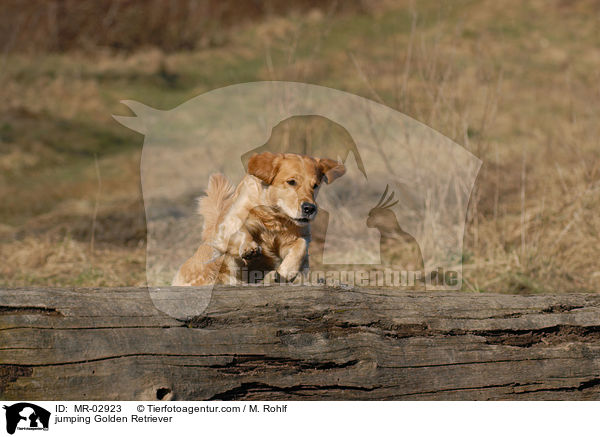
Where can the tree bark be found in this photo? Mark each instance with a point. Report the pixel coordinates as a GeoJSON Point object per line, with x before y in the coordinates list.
{"type": "Point", "coordinates": [295, 343]}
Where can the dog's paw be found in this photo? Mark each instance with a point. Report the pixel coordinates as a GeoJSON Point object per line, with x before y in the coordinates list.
{"type": "Point", "coordinates": [285, 275]}
{"type": "Point", "coordinates": [271, 278]}
{"type": "Point", "coordinates": [250, 250]}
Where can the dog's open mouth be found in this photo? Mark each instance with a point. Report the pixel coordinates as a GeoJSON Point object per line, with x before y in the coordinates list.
{"type": "Point", "coordinates": [302, 221]}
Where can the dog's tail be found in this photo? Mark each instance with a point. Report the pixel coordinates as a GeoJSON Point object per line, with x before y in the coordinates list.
{"type": "Point", "coordinates": [213, 206]}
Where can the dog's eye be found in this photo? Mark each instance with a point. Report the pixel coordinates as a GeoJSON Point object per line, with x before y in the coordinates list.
{"type": "Point", "coordinates": [315, 186]}
{"type": "Point", "coordinates": [291, 182]}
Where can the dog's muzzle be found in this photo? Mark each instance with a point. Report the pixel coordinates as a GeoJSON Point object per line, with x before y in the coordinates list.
{"type": "Point", "coordinates": [309, 210]}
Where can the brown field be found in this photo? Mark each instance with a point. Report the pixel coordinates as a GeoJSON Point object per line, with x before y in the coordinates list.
{"type": "Point", "coordinates": [516, 83]}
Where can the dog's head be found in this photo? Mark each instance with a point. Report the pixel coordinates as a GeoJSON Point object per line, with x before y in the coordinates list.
{"type": "Point", "coordinates": [293, 181]}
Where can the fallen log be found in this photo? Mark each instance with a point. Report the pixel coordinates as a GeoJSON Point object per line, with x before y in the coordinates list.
{"type": "Point", "coordinates": [295, 343]}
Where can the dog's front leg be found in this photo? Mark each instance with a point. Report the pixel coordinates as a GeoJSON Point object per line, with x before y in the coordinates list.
{"type": "Point", "coordinates": [294, 259]}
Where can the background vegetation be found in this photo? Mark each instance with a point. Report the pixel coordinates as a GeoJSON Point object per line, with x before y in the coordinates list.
{"type": "Point", "coordinates": [517, 83]}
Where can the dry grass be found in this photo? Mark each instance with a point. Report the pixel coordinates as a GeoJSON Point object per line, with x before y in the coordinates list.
{"type": "Point", "coordinates": [518, 84]}
{"type": "Point", "coordinates": [64, 25]}
{"type": "Point", "coordinates": [65, 261]}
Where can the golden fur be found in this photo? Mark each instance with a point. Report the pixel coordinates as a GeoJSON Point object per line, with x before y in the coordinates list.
{"type": "Point", "coordinates": [263, 225]}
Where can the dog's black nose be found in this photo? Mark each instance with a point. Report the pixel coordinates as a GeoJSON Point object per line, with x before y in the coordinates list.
{"type": "Point", "coordinates": [309, 208]}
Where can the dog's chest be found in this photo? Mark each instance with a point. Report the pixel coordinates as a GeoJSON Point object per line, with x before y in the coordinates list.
{"type": "Point", "coordinates": [274, 233]}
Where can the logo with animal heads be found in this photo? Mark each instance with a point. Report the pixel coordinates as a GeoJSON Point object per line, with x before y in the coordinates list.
{"type": "Point", "coordinates": [401, 204]}
{"type": "Point", "coordinates": [26, 416]}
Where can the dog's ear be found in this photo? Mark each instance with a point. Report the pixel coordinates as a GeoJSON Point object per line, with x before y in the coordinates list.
{"type": "Point", "coordinates": [331, 169]}
{"type": "Point", "coordinates": [264, 166]}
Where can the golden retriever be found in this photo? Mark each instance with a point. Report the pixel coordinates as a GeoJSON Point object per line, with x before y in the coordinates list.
{"type": "Point", "coordinates": [262, 225]}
